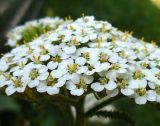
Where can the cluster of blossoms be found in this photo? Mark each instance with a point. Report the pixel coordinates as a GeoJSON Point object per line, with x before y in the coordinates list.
{"type": "Point", "coordinates": [31, 30]}
{"type": "Point", "coordinates": [84, 56]}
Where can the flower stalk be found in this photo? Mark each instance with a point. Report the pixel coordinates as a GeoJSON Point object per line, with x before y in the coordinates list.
{"type": "Point", "coordinates": [80, 115]}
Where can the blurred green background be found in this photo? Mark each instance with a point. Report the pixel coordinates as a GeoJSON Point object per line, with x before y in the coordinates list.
{"type": "Point", "coordinates": [140, 16]}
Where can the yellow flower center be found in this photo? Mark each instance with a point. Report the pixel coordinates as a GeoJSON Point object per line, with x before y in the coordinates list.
{"type": "Point", "coordinates": [86, 55]}
{"type": "Point", "coordinates": [34, 74]}
{"type": "Point", "coordinates": [103, 80]}
{"type": "Point", "coordinates": [103, 57]}
{"type": "Point", "coordinates": [17, 82]}
{"type": "Point", "coordinates": [100, 40]}
{"type": "Point", "coordinates": [157, 89]}
{"type": "Point", "coordinates": [158, 75]}
{"type": "Point", "coordinates": [121, 83]}
{"type": "Point", "coordinates": [138, 74]}
{"type": "Point", "coordinates": [51, 81]}
{"type": "Point", "coordinates": [72, 68]}
{"type": "Point", "coordinates": [82, 84]}
{"type": "Point", "coordinates": [56, 59]}
{"type": "Point", "coordinates": [141, 91]}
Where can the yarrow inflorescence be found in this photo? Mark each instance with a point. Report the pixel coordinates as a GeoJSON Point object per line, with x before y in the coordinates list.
{"type": "Point", "coordinates": [32, 30]}
{"type": "Point", "coordinates": [84, 56]}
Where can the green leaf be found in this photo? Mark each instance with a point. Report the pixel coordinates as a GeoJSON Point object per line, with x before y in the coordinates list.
{"type": "Point", "coordinates": [8, 103]}
{"type": "Point", "coordinates": [102, 104]}
{"type": "Point", "coordinates": [115, 115]}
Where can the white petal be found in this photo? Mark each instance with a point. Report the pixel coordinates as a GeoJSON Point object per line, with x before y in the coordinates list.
{"type": "Point", "coordinates": [70, 50]}
{"type": "Point", "coordinates": [14, 69]}
{"type": "Point", "coordinates": [42, 87]}
{"type": "Point", "coordinates": [44, 57]}
{"type": "Point", "coordinates": [82, 69]}
{"type": "Point", "coordinates": [93, 36]}
{"type": "Point", "coordinates": [113, 59]}
{"type": "Point", "coordinates": [25, 79]}
{"type": "Point", "coordinates": [97, 87]}
{"type": "Point", "coordinates": [33, 83]}
{"type": "Point", "coordinates": [141, 100]}
{"type": "Point", "coordinates": [142, 83]}
{"type": "Point", "coordinates": [68, 76]}
{"type": "Point", "coordinates": [24, 61]}
{"type": "Point", "coordinates": [127, 91]}
{"type": "Point", "coordinates": [133, 84]}
{"type": "Point", "coordinates": [111, 85]}
{"type": "Point", "coordinates": [10, 90]}
{"type": "Point", "coordinates": [43, 76]}
{"type": "Point", "coordinates": [70, 85]}
{"type": "Point", "coordinates": [57, 73]}
{"type": "Point", "coordinates": [151, 95]}
{"type": "Point", "coordinates": [75, 78]}
{"type": "Point", "coordinates": [66, 39]}
{"type": "Point", "coordinates": [21, 89]}
{"type": "Point", "coordinates": [88, 79]}
{"type": "Point", "coordinates": [112, 93]}
{"type": "Point", "coordinates": [53, 37]}
{"type": "Point", "coordinates": [77, 92]}
{"type": "Point", "coordinates": [43, 69]}
{"type": "Point", "coordinates": [151, 85]}
{"type": "Point", "coordinates": [90, 72]}
{"type": "Point", "coordinates": [80, 61]}
{"type": "Point", "coordinates": [52, 65]}
{"type": "Point", "coordinates": [2, 84]}
{"type": "Point", "coordinates": [52, 90]}
{"type": "Point", "coordinates": [3, 65]}
{"type": "Point", "coordinates": [18, 73]}
{"type": "Point", "coordinates": [122, 71]}
{"type": "Point", "coordinates": [64, 56]}
{"type": "Point", "coordinates": [61, 82]}
{"type": "Point", "coordinates": [111, 75]}
{"type": "Point", "coordinates": [101, 67]}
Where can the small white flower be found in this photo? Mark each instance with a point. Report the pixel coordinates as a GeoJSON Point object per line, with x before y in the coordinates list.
{"type": "Point", "coordinates": [34, 73]}
{"type": "Point", "coordinates": [104, 83]}
{"type": "Point", "coordinates": [78, 84]}
{"type": "Point", "coordinates": [51, 85]}
{"type": "Point", "coordinates": [18, 70]}
{"type": "Point", "coordinates": [116, 69]}
{"type": "Point", "coordinates": [102, 63]}
{"type": "Point", "coordinates": [138, 80]}
{"type": "Point", "coordinates": [154, 93]}
{"type": "Point", "coordinates": [65, 35]}
{"type": "Point", "coordinates": [139, 86]}
{"type": "Point", "coordinates": [16, 85]}
{"type": "Point", "coordinates": [4, 81]}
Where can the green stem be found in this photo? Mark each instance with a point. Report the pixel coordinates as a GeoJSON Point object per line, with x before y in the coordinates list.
{"type": "Point", "coordinates": [70, 115]}
{"type": "Point", "coordinates": [80, 117]}
{"type": "Point", "coordinates": [101, 105]}
{"type": "Point", "coordinates": [68, 108]}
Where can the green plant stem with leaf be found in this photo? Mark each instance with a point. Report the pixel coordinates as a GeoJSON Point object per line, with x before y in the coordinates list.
{"type": "Point", "coordinates": [82, 117]}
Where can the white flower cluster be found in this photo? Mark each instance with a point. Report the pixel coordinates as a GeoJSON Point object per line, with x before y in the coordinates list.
{"type": "Point", "coordinates": [36, 27]}
{"type": "Point", "coordinates": [84, 56]}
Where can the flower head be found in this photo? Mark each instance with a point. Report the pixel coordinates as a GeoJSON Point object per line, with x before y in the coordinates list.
{"type": "Point", "coordinates": [83, 56]}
